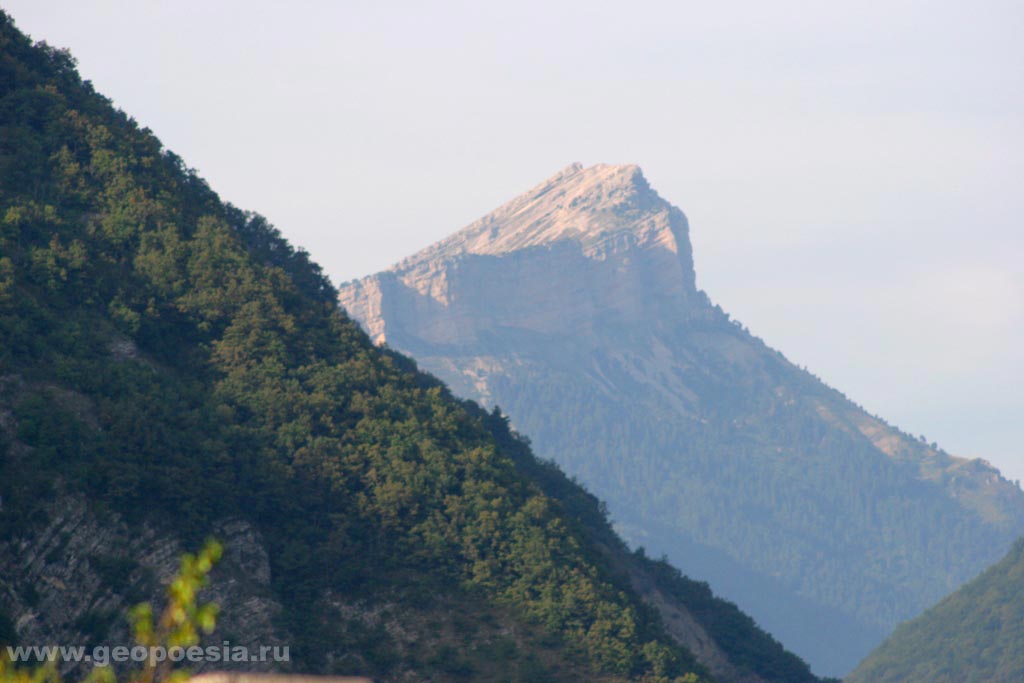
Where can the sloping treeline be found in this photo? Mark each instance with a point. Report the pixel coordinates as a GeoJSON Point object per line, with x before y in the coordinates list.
{"type": "Point", "coordinates": [177, 360]}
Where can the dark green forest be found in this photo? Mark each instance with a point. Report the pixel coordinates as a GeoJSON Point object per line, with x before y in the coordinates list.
{"type": "Point", "coordinates": [173, 358]}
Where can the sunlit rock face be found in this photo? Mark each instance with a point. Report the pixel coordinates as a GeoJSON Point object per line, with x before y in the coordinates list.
{"type": "Point", "coordinates": [586, 246]}
{"type": "Point", "coordinates": [574, 308]}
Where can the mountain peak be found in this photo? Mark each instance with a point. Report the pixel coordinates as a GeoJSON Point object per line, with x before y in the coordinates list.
{"type": "Point", "coordinates": [587, 243]}
{"type": "Point", "coordinates": [600, 206]}
{"type": "Point", "coordinates": [622, 174]}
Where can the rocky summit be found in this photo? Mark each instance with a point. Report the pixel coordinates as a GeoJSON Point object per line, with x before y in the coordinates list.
{"type": "Point", "coordinates": [574, 307]}
{"type": "Point", "coordinates": [587, 244]}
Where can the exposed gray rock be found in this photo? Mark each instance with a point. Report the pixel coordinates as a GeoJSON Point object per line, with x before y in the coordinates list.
{"type": "Point", "coordinates": [73, 580]}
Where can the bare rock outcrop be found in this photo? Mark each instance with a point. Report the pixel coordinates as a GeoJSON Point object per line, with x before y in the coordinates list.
{"type": "Point", "coordinates": [587, 244]}
{"type": "Point", "coordinates": [73, 580]}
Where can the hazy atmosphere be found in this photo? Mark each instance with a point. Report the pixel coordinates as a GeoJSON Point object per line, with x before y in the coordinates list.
{"type": "Point", "coordinates": [851, 180]}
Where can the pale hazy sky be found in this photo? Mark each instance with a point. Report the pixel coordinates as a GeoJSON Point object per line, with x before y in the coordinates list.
{"type": "Point", "coordinates": [852, 171]}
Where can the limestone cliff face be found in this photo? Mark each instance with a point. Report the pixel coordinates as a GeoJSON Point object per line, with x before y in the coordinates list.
{"type": "Point", "coordinates": [574, 308]}
{"type": "Point", "coordinates": [587, 245]}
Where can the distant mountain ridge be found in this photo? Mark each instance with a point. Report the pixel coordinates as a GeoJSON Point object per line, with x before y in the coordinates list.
{"type": "Point", "coordinates": [574, 307]}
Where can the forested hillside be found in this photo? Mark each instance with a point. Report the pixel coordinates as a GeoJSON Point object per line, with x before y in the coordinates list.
{"type": "Point", "coordinates": [171, 360]}
{"type": "Point", "coordinates": [975, 635]}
